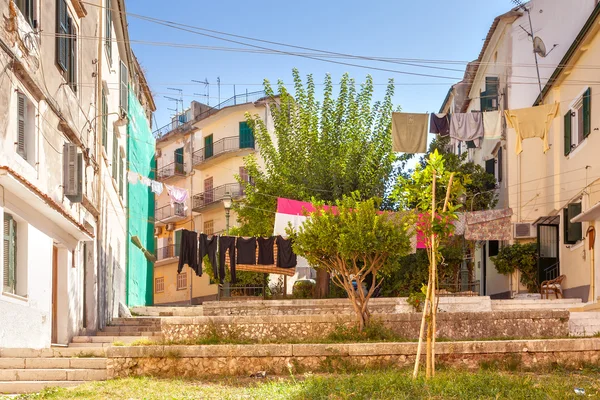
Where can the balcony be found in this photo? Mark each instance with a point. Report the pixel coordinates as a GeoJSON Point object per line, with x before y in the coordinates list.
{"type": "Point", "coordinates": [170, 170]}
{"type": "Point", "coordinates": [168, 214]}
{"type": "Point", "coordinates": [164, 253]}
{"type": "Point", "coordinates": [221, 150]}
{"type": "Point", "coordinates": [213, 197]}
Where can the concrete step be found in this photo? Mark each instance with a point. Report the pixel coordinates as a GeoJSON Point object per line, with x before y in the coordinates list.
{"type": "Point", "coordinates": [52, 352]}
{"type": "Point", "coordinates": [181, 311]}
{"type": "Point", "coordinates": [588, 316]}
{"type": "Point", "coordinates": [58, 362]}
{"type": "Point", "coordinates": [17, 387]}
{"type": "Point", "coordinates": [143, 333]}
{"type": "Point", "coordinates": [136, 321]}
{"type": "Point", "coordinates": [111, 339]}
{"type": "Point", "coordinates": [55, 374]}
{"type": "Point", "coordinates": [533, 304]}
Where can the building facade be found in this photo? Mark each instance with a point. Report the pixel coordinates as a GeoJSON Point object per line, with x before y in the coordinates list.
{"type": "Point", "coordinates": [202, 155]}
{"type": "Point", "coordinates": [60, 205]}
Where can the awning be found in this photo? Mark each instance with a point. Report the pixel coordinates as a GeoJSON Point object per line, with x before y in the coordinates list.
{"type": "Point", "coordinates": [590, 215]}
{"type": "Point", "coordinates": [548, 220]}
{"type": "Point", "coordinates": [39, 201]}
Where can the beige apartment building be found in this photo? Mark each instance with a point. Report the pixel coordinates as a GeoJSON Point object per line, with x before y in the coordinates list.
{"type": "Point", "coordinates": [202, 150]}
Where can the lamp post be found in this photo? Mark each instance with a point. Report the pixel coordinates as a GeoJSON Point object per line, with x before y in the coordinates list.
{"type": "Point", "coordinates": [227, 206]}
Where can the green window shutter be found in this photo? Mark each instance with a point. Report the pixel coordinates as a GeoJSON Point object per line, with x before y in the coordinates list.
{"type": "Point", "coordinates": [587, 112]}
{"type": "Point", "coordinates": [208, 146]}
{"type": "Point", "coordinates": [567, 133]}
{"type": "Point", "coordinates": [115, 160]}
{"type": "Point", "coordinates": [121, 166]}
{"type": "Point", "coordinates": [179, 164]}
{"type": "Point", "coordinates": [108, 35]}
{"type": "Point", "coordinates": [499, 164]}
{"type": "Point", "coordinates": [490, 166]}
{"type": "Point", "coordinates": [124, 83]}
{"type": "Point", "coordinates": [104, 120]}
{"type": "Point", "coordinates": [246, 136]}
{"type": "Point", "coordinates": [177, 242]}
{"type": "Point", "coordinates": [10, 253]}
{"type": "Point", "coordinates": [72, 55]}
{"type": "Point", "coordinates": [62, 30]}
{"type": "Point", "coordinates": [575, 234]}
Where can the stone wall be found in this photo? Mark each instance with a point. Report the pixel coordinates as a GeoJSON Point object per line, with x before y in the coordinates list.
{"type": "Point", "coordinates": [197, 361]}
{"type": "Point", "coordinates": [457, 326]}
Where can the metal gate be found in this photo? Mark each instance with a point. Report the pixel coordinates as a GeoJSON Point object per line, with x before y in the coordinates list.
{"type": "Point", "coordinates": [547, 242]}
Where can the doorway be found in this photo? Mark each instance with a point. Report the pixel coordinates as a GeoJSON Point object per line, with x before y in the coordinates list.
{"type": "Point", "coordinates": [547, 243]}
{"type": "Point", "coordinates": [54, 338]}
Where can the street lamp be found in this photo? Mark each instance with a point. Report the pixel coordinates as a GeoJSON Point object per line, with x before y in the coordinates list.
{"type": "Point", "coordinates": [227, 206]}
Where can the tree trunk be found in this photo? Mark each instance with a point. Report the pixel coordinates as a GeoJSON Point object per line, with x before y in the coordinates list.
{"type": "Point", "coordinates": [322, 287]}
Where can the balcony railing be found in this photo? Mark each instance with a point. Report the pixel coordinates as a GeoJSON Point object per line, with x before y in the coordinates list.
{"type": "Point", "coordinates": [225, 145]}
{"type": "Point", "coordinates": [217, 194]}
{"type": "Point", "coordinates": [166, 212]}
{"type": "Point", "coordinates": [162, 253]}
{"type": "Point", "coordinates": [170, 170]}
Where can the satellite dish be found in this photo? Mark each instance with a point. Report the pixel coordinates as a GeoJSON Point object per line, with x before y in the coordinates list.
{"type": "Point", "coordinates": [539, 47]}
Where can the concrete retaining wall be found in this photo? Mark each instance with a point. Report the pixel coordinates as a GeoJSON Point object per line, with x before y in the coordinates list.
{"type": "Point", "coordinates": [197, 361]}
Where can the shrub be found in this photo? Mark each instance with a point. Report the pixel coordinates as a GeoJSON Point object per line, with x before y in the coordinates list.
{"type": "Point", "coordinates": [303, 289]}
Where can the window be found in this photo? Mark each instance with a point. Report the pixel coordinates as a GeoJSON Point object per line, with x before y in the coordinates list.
{"type": "Point", "coordinates": [178, 242]}
{"type": "Point", "coordinates": [208, 146]}
{"type": "Point", "coordinates": [489, 98]}
{"type": "Point", "coordinates": [209, 227]}
{"type": "Point", "coordinates": [104, 120]}
{"type": "Point", "coordinates": [179, 164]}
{"type": "Point", "coordinates": [246, 136]}
{"type": "Point", "coordinates": [108, 34]}
{"type": "Point", "coordinates": [159, 285]}
{"type": "Point", "coordinates": [572, 231]}
{"type": "Point", "coordinates": [499, 165]}
{"type": "Point", "coordinates": [9, 243]}
{"type": "Point", "coordinates": [209, 194]}
{"type": "Point", "coordinates": [66, 44]}
{"type": "Point", "coordinates": [490, 166]}
{"type": "Point", "coordinates": [577, 121]}
{"type": "Point", "coordinates": [123, 88]}
{"type": "Point", "coordinates": [26, 7]}
{"type": "Point", "coordinates": [493, 248]}
{"type": "Point", "coordinates": [182, 281]}
{"type": "Point", "coordinates": [25, 135]}
{"type": "Point", "coordinates": [115, 154]}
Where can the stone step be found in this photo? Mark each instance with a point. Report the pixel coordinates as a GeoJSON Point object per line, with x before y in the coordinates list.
{"type": "Point", "coordinates": [589, 316]}
{"type": "Point", "coordinates": [135, 321]}
{"type": "Point", "coordinates": [143, 333]}
{"type": "Point", "coordinates": [58, 362]}
{"type": "Point", "coordinates": [55, 374]}
{"type": "Point", "coordinates": [17, 387]}
{"type": "Point", "coordinates": [111, 339]}
{"type": "Point", "coordinates": [52, 352]}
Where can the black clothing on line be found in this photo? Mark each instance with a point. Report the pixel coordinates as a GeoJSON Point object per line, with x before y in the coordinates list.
{"type": "Point", "coordinates": [246, 251]}
{"type": "Point", "coordinates": [209, 247]}
{"type": "Point", "coordinates": [227, 243]}
{"type": "Point", "coordinates": [265, 251]}
{"type": "Point", "coordinates": [439, 125]}
{"type": "Point", "coordinates": [285, 255]}
{"type": "Point", "coordinates": [188, 251]}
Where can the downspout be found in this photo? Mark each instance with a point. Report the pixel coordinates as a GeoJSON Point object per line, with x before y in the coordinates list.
{"type": "Point", "coordinates": [100, 227]}
{"type": "Point", "coordinates": [191, 197]}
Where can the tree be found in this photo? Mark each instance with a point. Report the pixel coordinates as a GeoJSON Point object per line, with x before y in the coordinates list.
{"type": "Point", "coordinates": [522, 257]}
{"type": "Point", "coordinates": [318, 150]}
{"type": "Point", "coordinates": [353, 243]}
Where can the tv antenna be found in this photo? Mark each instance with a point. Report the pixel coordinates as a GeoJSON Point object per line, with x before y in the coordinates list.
{"type": "Point", "coordinates": [206, 87]}
{"type": "Point", "coordinates": [519, 4]}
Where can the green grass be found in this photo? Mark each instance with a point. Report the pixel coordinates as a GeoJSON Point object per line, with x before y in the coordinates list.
{"type": "Point", "coordinates": [388, 384]}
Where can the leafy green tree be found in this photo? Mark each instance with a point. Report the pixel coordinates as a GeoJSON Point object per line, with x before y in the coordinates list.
{"type": "Point", "coordinates": [521, 257]}
{"type": "Point", "coordinates": [353, 243]}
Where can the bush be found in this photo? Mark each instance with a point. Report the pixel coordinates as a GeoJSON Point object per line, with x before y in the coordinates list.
{"type": "Point", "coordinates": [303, 289]}
{"type": "Point", "coordinates": [522, 257]}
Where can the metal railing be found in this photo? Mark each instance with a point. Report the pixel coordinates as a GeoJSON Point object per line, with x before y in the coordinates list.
{"type": "Point", "coordinates": [229, 292]}
{"type": "Point", "coordinates": [235, 100]}
{"type": "Point", "coordinates": [170, 170]}
{"type": "Point", "coordinates": [552, 272]}
{"type": "Point", "coordinates": [221, 146]}
{"type": "Point", "coordinates": [162, 253]}
{"type": "Point", "coordinates": [447, 289]}
{"type": "Point", "coordinates": [162, 213]}
{"type": "Point", "coordinates": [214, 195]}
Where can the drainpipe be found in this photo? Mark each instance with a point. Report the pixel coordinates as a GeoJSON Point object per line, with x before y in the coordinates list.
{"type": "Point", "coordinates": [99, 319]}
{"type": "Point", "coordinates": [192, 172]}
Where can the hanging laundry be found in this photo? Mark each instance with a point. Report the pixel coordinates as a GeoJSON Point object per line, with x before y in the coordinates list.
{"type": "Point", "coordinates": [466, 127]}
{"type": "Point", "coordinates": [132, 177]}
{"type": "Point", "coordinates": [531, 122]}
{"type": "Point", "coordinates": [492, 125]}
{"type": "Point", "coordinates": [265, 251]}
{"type": "Point", "coordinates": [286, 258]}
{"type": "Point", "coordinates": [157, 187]}
{"type": "Point", "coordinates": [146, 181]}
{"type": "Point", "coordinates": [188, 252]}
{"type": "Point", "coordinates": [440, 124]}
{"type": "Point", "coordinates": [177, 195]}
{"type": "Point", "coordinates": [226, 243]}
{"type": "Point", "coordinates": [246, 250]}
{"type": "Point", "coordinates": [208, 247]}
{"type": "Point", "coordinates": [489, 225]}
{"type": "Point", "coordinates": [409, 133]}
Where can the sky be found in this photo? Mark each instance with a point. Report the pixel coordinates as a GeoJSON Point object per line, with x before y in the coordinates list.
{"type": "Point", "coordinates": [427, 29]}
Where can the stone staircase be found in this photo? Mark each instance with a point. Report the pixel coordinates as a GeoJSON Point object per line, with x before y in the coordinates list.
{"type": "Point", "coordinates": [584, 323]}
{"type": "Point", "coordinates": [121, 331]}
{"type": "Point", "coordinates": [535, 304]}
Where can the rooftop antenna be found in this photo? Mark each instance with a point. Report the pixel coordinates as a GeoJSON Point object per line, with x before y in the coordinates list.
{"type": "Point", "coordinates": [206, 87]}
{"type": "Point", "coordinates": [519, 4]}
{"type": "Point", "coordinates": [180, 100]}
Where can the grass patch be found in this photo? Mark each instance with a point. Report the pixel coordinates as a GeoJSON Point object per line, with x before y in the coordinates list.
{"type": "Point", "coordinates": [118, 343]}
{"type": "Point", "coordinates": [376, 331]}
{"type": "Point", "coordinates": [388, 384]}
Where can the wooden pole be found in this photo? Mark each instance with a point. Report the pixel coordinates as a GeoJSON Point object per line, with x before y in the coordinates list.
{"type": "Point", "coordinates": [430, 332]}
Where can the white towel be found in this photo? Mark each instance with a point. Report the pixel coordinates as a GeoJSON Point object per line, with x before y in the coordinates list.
{"type": "Point", "coordinates": [132, 177]}
{"type": "Point", "coordinates": [492, 125]}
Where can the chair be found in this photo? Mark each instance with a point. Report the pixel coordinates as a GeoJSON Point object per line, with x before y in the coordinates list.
{"type": "Point", "coordinates": [553, 286]}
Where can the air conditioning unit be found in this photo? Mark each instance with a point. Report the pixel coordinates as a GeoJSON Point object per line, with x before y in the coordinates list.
{"type": "Point", "coordinates": [157, 231]}
{"type": "Point", "coordinates": [171, 226]}
{"type": "Point", "coordinates": [523, 230]}
{"type": "Point", "coordinates": [72, 173]}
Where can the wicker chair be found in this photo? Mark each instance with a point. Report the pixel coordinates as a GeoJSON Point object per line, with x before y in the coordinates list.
{"type": "Point", "coordinates": [553, 286]}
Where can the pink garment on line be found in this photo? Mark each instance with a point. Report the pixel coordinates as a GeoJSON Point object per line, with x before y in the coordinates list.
{"type": "Point", "coordinates": [177, 195]}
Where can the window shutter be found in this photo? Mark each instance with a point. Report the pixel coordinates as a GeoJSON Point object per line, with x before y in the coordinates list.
{"type": "Point", "coordinates": [499, 164]}
{"type": "Point", "coordinates": [177, 242]}
{"type": "Point", "coordinates": [179, 164]}
{"type": "Point", "coordinates": [121, 176]}
{"type": "Point", "coordinates": [70, 169]}
{"type": "Point", "coordinates": [115, 160]}
{"type": "Point", "coordinates": [574, 232]}
{"type": "Point", "coordinates": [10, 243]}
{"type": "Point", "coordinates": [587, 112]}
{"type": "Point", "coordinates": [72, 54]}
{"type": "Point", "coordinates": [490, 166]}
{"type": "Point", "coordinates": [108, 34]}
{"type": "Point", "coordinates": [208, 146]}
{"type": "Point", "coordinates": [104, 120]}
{"type": "Point", "coordinates": [567, 133]}
{"type": "Point", "coordinates": [62, 30]}
{"type": "Point", "coordinates": [246, 136]}
{"type": "Point", "coordinates": [123, 88]}
{"type": "Point", "coordinates": [22, 117]}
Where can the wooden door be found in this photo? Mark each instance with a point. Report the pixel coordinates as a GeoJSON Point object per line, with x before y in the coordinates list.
{"type": "Point", "coordinates": [209, 194]}
{"type": "Point", "coordinates": [54, 295]}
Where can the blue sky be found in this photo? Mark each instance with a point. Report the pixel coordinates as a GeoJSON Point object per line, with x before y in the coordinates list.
{"type": "Point", "coordinates": [426, 29]}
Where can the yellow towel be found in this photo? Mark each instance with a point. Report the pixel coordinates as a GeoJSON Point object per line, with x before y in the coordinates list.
{"type": "Point", "coordinates": [531, 122]}
{"type": "Point", "coordinates": [409, 132]}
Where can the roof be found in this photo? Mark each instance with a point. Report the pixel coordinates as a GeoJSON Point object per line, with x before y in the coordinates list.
{"type": "Point", "coordinates": [571, 52]}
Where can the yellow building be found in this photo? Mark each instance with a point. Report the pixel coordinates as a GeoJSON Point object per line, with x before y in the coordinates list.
{"type": "Point", "coordinates": [202, 151]}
